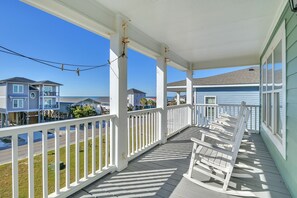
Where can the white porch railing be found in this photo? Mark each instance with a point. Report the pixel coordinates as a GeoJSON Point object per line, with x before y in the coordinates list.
{"type": "Point", "coordinates": [143, 131]}
{"type": "Point", "coordinates": [177, 118]}
{"type": "Point", "coordinates": [98, 129]}
{"type": "Point", "coordinates": [204, 114]}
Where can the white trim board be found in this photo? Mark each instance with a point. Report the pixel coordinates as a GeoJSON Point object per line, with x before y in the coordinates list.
{"type": "Point", "coordinates": [210, 86]}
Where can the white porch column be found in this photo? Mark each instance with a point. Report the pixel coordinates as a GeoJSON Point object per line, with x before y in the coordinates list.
{"type": "Point", "coordinates": [177, 98]}
{"type": "Point", "coordinates": [189, 81]}
{"type": "Point", "coordinates": [118, 95]}
{"type": "Point", "coordinates": [162, 96]}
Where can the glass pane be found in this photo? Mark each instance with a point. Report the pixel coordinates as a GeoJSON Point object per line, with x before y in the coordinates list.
{"type": "Point", "coordinates": [264, 76]}
{"type": "Point", "coordinates": [210, 100]}
{"type": "Point", "coordinates": [15, 88]}
{"type": "Point", "coordinates": [278, 113]}
{"type": "Point", "coordinates": [278, 66]}
{"type": "Point", "coordinates": [269, 110]}
{"type": "Point", "coordinates": [15, 103]}
{"type": "Point", "coordinates": [264, 107]}
{"type": "Point", "coordinates": [21, 89]}
{"type": "Point", "coordinates": [269, 73]}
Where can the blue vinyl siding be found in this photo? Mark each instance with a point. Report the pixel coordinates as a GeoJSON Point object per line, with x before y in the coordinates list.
{"type": "Point", "coordinates": [230, 95]}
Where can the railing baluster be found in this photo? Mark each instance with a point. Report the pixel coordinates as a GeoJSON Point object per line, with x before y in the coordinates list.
{"type": "Point", "coordinates": [143, 129]}
{"type": "Point", "coordinates": [31, 163]}
{"type": "Point", "coordinates": [140, 130]}
{"type": "Point", "coordinates": [15, 165]}
{"type": "Point", "coordinates": [93, 148]}
{"type": "Point", "coordinates": [128, 125]}
{"type": "Point", "coordinates": [77, 148]}
{"type": "Point", "coordinates": [146, 130]}
{"type": "Point", "coordinates": [106, 143]}
{"type": "Point", "coordinates": [136, 137]}
{"type": "Point", "coordinates": [100, 146]}
{"type": "Point", "coordinates": [86, 150]}
{"type": "Point", "coordinates": [44, 164]}
{"type": "Point", "coordinates": [111, 140]}
{"type": "Point", "coordinates": [57, 161]}
{"type": "Point", "coordinates": [149, 117]}
{"type": "Point", "coordinates": [67, 157]}
{"type": "Point", "coordinates": [133, 142]}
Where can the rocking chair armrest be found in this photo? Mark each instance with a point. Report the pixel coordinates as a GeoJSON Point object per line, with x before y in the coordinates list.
{"type": "Point", "coordinates": [217, 137]}
{"type": "Point", "coordinates": [211, 146]}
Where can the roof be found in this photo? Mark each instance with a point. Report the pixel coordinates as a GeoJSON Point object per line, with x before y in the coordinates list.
{"type": "Point", "coordinates": [73, 99]}
{"type": "Point", "coordinates": [17, 80]}
{"type": "Point", "coordinates": [46, 82]}
{"type": "Point", "coordinates": [134, 91]}
{"type": "Point", "coordinates": [241, 77]}
{"type": "Point", "coordinates": [89, 99]}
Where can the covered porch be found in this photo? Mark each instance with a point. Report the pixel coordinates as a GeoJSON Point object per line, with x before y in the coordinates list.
{"type": "Point", "coordinates": [152, 146]}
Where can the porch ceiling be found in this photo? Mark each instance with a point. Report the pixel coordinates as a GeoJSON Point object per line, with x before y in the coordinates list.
{"type": "Point", "coordinates": [209, 34]}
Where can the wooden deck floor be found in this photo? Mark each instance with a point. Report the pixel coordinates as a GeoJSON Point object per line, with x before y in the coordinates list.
{"type": "Point", "coordinates": [159, 173]}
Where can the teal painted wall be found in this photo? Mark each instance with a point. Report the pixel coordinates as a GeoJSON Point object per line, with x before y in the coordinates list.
{"type": "Point", "coordinates": [288, 168]}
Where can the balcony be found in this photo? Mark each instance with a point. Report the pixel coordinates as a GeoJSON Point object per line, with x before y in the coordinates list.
{"type": "Point", "coordinates": [53, 106]}
{"type": "Point", "coordinates": [49, 93]}
{"type": "Point", "coordinates": [87, 147]}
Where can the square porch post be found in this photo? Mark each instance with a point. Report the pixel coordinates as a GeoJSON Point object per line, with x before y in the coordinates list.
{"type": "Point", "coordinates": [162, 96]}
{"type": "Point", "coordinates": [118, 95]}
{"type": "Point", "coordinates": [189, 81]}
{"type": "Point", "coordinates": [177, 98]}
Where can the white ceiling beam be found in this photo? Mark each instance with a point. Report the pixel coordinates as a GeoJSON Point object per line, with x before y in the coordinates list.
{"type": "Point", "coordinates": [93, 16]}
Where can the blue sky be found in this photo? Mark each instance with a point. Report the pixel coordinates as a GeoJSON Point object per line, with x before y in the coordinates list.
{"type": "Point", "coordinates": [37, 34]}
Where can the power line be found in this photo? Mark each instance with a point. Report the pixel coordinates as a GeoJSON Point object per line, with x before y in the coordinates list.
{"type": "Point", "coordinates": [61, 67]}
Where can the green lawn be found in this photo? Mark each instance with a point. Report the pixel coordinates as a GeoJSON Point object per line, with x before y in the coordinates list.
{"type": "Point", "coordinates": [6, 179]}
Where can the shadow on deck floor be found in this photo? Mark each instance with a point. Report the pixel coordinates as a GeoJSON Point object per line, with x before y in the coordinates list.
{"type": "Point", "coordinates": [159, 173]}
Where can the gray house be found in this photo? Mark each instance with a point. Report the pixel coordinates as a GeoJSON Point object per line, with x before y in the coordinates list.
{"type": "Point", "coordinates": [24, 101]}
{"type": "Point", "coordinates": [228, 88]}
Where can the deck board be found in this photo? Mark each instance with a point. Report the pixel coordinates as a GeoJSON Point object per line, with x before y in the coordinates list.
{"type": "Point", "coordinates": [159, 173]}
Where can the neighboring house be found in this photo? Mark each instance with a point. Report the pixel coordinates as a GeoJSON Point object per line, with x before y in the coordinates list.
{"type": "Point", "coordinates": [228, 88]}
{"type": "Point", "coordinates": [134, 97]}
{"type": "Point", "coordinates": [24, 101]}
{"type": "Point", "coordinates": [67, 102]}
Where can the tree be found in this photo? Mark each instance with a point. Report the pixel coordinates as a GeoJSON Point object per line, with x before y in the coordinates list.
{"type": "Point", "coordinates": [143, 102]}
{"type": "Point", "coordinates": [151, 103]}
{"type": "Point", "coordinates": [82, 111]}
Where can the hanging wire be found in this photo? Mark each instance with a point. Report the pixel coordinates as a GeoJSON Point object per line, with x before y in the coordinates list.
{"type": "Point", "coordinates": [62, 65]}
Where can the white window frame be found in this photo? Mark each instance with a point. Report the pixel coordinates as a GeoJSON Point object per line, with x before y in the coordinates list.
{"type": "Point", "coordinates": [279, 142]}
{"type": "Point", "coordinates": [19, 101]}
{"type": "Point", "coordinates": [18, 88]}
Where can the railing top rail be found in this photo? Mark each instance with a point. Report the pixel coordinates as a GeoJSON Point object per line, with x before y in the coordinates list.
{"type": "Point", "coordinates": [178, 106]}
{"type": "Point", "coordinates": [8, 131]}
{"type": "Point", "coordinates": [239, 105]}
{"type": "Point", "coordinates": [143, 111]}
{"type": "Point", "coordinates": [214, 105]}
{"type": "Point", "coordinates": [235, 105]}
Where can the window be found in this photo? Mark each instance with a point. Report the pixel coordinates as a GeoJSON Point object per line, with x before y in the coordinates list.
{"type": "Point", "coordinates": [18, 103]}
{"type": "Point", "coordinates": [274, 91]}
{"type": "Point", "coordinates": [210, 110]}
{"type": "Point", "coordinates": [18, 88]}
{"type": "Point", "coordinates": [48, 102]}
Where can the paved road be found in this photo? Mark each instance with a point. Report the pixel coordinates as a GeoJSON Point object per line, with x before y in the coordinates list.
{"type": "Point", "coordinates": [5, 155]}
